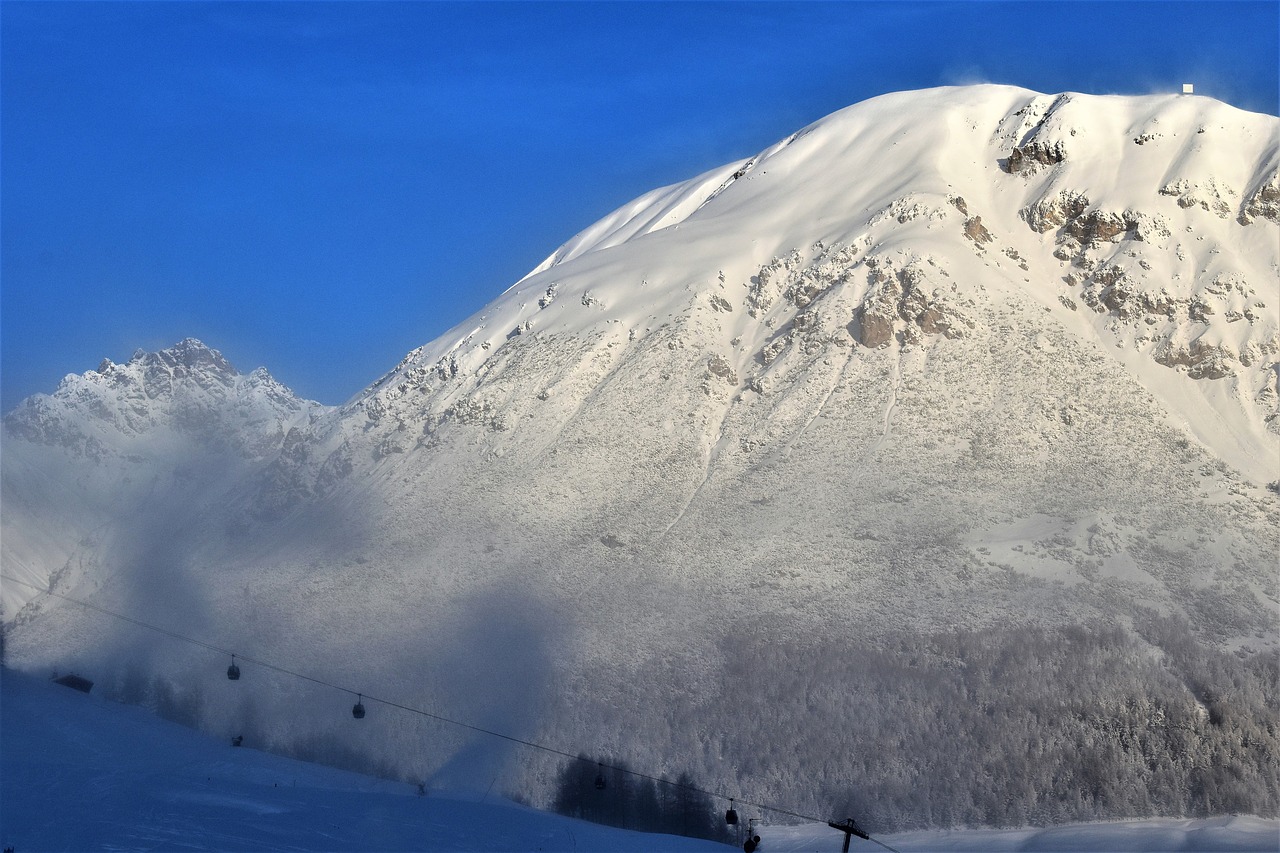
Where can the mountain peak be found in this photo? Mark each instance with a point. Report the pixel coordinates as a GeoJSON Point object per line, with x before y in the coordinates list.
{"type": "Point", "coordinates": [1144, 223]}
{"type": "Point", "coordinates": [189, 386]}
{"type": "Point", "coordinates": [188, 355]}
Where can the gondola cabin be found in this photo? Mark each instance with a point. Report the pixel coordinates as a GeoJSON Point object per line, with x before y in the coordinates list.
{"type": "Point", "coordinates": [75, 682]}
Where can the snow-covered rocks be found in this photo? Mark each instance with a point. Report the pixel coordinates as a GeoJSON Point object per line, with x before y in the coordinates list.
{"type": "Point", "coordinates": [188, 389]}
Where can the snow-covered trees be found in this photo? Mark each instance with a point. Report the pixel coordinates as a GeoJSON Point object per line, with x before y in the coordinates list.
{"type": "Point", "coordinates": [634, 801]}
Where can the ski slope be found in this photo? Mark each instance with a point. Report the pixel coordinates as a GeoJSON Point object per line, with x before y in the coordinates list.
{"type": "Point", "coordinates": [81, 773]}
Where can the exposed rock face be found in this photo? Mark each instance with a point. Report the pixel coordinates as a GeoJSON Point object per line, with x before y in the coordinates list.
{"type": "Point", "coordinates": [1034, 153]}
{"type": "Point", "coordinates": [719, 366]}
{"type": "Point", "coordinates": [1264, 202]}
{"type": "Point", "coordinates": [1210, 195]}
{"type": "Point", "coordinates": [1055, 211]}
{"type": "Point", "coordinates": [1203, 361]}
{"type": "Point", "coordinates": [976, 231]}
{"type": "Point", "coordinates": [903, 307]}
{"type": "Point", "coordinates": [1071, 213]}
{"type": "Point", "coordinates": [1107, 252]}
{"type": "Point", "coordinates": [874, 323]}
{"type": "Point", "coordinates": [1096, 226]}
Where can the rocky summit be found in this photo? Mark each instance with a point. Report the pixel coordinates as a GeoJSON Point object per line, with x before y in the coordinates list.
{"type": "Point", "coordinates": [923, 465]}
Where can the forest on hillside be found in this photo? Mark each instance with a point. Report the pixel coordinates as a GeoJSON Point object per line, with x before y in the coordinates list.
{"type": "Point", "coordinates": [1007, 726]}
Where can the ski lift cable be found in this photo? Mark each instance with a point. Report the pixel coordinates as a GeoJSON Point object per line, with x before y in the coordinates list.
{"type": "Point", "coordinates": [393, 704]}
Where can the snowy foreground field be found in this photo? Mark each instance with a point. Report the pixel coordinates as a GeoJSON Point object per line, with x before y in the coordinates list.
{"type": "Point", "coordinates": [80, 773]}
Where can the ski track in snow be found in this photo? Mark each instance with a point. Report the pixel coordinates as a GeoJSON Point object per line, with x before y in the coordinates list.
{"type": "Point", "coordinates": [713, 453]}
{"type": "Point", "coordinates": [895, 377]}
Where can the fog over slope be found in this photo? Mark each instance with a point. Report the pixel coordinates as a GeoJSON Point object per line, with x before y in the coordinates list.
{"type": "Point", "coordinates": [918, 462]}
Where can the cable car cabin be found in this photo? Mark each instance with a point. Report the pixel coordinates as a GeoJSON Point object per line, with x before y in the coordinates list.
{"type": "Point", "coordinates": [233, 671]}
{"type": "Point", "coordinates": [357, 710]}
{"type": "Point", "coordinates": [731, 816]}
{"type": "Point", "coordinates": [600, 785]}
{"type": "Point", "coordinates": [75, 682]}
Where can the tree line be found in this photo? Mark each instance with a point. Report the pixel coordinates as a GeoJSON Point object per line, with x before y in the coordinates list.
{"type": "Point", "coordinates": [609, 793]}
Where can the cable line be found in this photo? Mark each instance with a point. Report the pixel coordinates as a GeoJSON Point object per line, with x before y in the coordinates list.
{"type": "Point", "coordinates": [392, 704]}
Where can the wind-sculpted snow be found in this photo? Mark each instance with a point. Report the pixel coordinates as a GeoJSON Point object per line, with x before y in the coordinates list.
{"type": "Point", "coordinates": [961, 369]}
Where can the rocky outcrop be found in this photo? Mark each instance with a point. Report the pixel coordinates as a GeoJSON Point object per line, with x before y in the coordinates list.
{"type": "Point", "coordinates": [1110, 289]}
{"type": "Point", "coordinates": [1054, 211]}
{"type": "Point", "coordinates": [873, 323]}
{"type": "Point", "coordinates": [1202, 361]}
{"type": "Point", "coordinates": [719, 367]}
{"type": "Point", "coordinates": [900, 305]}
{"type": "Point", "coordinates": [1097, 226]}
{"type": "Point", "coordinates": [469, 411]}
{"type": "Point", "coordinates": [976, 231]}
{"type": "Point", "coordinates": [1262, 202]}
{"type": "Point", "coordinates": [1028, 157]}
{"type": "Point", "coordinates": [1210, 195]}
{"type": "Point", "coordinates": [1082, 227]}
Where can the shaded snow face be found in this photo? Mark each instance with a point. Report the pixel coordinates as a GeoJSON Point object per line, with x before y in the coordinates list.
{"type": "Point", "coordinates": [496, 672]}
{"type": "Point", "coordinates": [128, 780]}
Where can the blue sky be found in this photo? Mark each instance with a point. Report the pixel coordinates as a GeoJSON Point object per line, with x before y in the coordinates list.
{"type": "Point", "coordinates": [320, 187]}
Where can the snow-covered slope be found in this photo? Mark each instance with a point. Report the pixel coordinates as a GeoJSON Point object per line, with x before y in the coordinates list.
{"type": "Point", "coordinates": [947, 394]}
{"type": "Point", "coordinates": [1146, 225]}
{"type": "Point", "coordinates": [80, 773]}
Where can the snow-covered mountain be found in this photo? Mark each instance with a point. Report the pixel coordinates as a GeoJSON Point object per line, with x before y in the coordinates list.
{"type": "Point", "coordinates": [896, 423]}
{"type": "Point", "coordinates": [166, 434]}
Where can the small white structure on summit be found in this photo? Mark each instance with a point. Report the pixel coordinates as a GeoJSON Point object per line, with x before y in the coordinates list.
{"type": "Point", "coordinates": [1188, 89]}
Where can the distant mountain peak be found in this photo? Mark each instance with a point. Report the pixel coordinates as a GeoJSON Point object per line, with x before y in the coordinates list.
{"type": "Point", "coordinates": [156, 371]}
{"type": "Point", "coordinates": [188, 387]}
{"type": "Point", "coordinates": [188, 352]}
